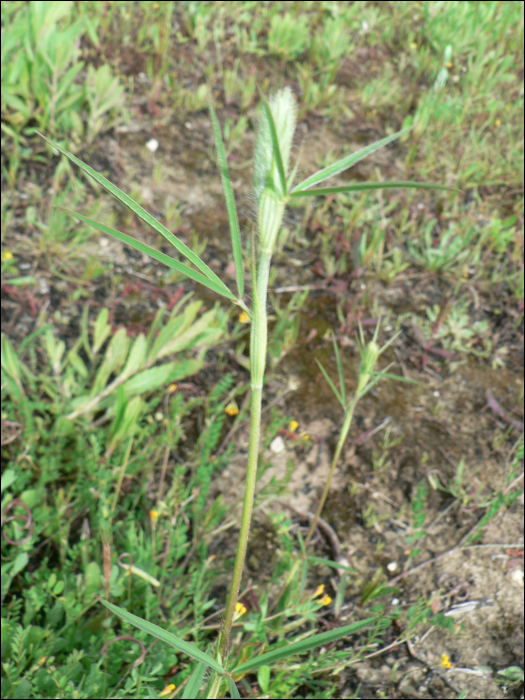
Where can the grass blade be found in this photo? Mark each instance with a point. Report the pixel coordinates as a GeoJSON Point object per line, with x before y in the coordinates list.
{"type": "Point", "coordinates": [360, 186]}
{"type": "Point", "coordinates": [303, 646]}
{"type": "Point", "coordinates": [143, 216]}
{"type": "Point", "coordinates": [275, 144]}
{"type": "Point", "coordinates": [191, 690]}
{"type": "Point", "coordinates": [157, 255]}
{"type": "Point", "coordinates": [340, 372]}
{"type": "Point", "coordinates": [331, 384]}
{"type": "Point", "coordinates": [345, 162]}
{"type": "Point", "coordinates": [165, 636]}
{"type": "Point", "coordinates": [233, 688]}
{"type": "Point", "coordinates": [230, 204]}
{"type": "Point", "coordinates": [397, 377]}
{"type": "Point", "coordinates": [333, 564]}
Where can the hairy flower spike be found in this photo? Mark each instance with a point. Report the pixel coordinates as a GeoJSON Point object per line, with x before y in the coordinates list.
{"type": "Point", "coordinates": [284, 112]}
{"type": "Point", "coordinates": [369, 359]}
{"type": "Point", "coordinates": [271, 210]}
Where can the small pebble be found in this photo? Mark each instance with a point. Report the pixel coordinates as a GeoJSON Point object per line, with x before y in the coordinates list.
{"type": "Point", "coordinates": [392, 566]}
{"type": "Point", "coordinates": [277, 445]}
{"type": "Point", "coordinates": [152, 145]}
{"type": "Point", "coordinates": [516, 576]}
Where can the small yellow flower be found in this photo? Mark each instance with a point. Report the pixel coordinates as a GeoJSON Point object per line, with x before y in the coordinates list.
{"type": "Point", "coordinates": [325, 600]}
{"type": "Point", "coordinates": [244, 318]}
{"type": "Point", "coordinates": [319, 591]}
{"type": "Point", "coordinates": [43, 660]}
{"type": "Point", "coordinates": [413, 45]}
{"type": "Point", "coordinates": [172, 388]}
{"type": "Point", "coordinates": [154, 516]}
{"type": "Point", "coordinates": [445, 661]}
{"type": "Point", "coordinates": [7, 255]}
{"type": "Point", "coordinates": [449, 64]}
{"type": "Point", "coordinates": [167, 690]}
{"type": "Point", "coordinates": [305, 436]}
{"type": "Point", "coordinates": [498, 122]}
{"type": "Point", "coordinates": [293, 426]}
{"type": "Point", "coordinates": [239, 611]}
{"type": "Point", "coordinates": [232, 409]}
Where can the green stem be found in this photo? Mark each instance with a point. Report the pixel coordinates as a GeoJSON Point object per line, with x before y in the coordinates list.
{"type": "Point", "coordinates": [258, 341]}
{"type": "Point", "coordinates": [215, 687]}
{"type": "Point", "coordinates": [342, 439]}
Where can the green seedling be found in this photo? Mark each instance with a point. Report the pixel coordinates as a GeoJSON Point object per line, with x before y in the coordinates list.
{"type": "Point", "coordinates": [40, 87]}
{"type": "Point", "coordinates": [452, 249]}
{"type": "Point", "coordinates": [154, 38]}
{"type": "Point", "coordinates": [367, 379]}
{"type": "Point", "coordinates": [273, 185]}
{"type": "Point", "coordinates": [289, 36]}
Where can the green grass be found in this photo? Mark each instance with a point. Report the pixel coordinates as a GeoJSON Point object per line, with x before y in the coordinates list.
{"type": "Point", "coordinates": [97, 487]}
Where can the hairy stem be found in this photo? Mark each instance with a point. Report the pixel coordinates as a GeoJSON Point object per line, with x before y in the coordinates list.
{"type": "Point", "coordinates": [215, 687]}
{"type": "Point", "coordinates": [258, 341]}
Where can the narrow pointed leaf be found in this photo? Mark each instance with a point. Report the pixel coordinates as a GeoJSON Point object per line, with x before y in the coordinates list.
{"type": "Point", "coordinates": [345, 163]}
{"type": "Point", "coordinates": [142, 215]}
{"type": "Point", "coordinates": [303, 646]}
{"type": "Point", "coordinates": [164, 636]}
{"type": "Point", "coordinates": [275, 144]}
{"type": "Point", "coordinates": [155, 377]}
{"type": "Point", "coordinates": [156, 254]}
{"type": "Point", "coordinates": [233, 688]}
{"type": "Point", "coordinates": [386, 375]}
{"type": "Point", "coordinates": [340, 372]}
{"type": "Point", "coordinates": [360, 186]}
{"type": "Point", "coordinates": [333, 564]}
{"type": "Point", "coordinates": [230, 204]}
{"type": "Point", "coordinates": [191, 691]}
{"type": "Point", "coordinates": [331, 384]}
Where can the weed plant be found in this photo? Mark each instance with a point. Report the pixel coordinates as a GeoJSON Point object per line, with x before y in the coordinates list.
{"type": "Point", "coordinates": [91, 483]}
{"type": "Point", "coordinates": [274, 188]}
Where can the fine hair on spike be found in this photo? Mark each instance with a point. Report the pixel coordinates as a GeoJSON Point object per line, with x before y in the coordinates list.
{"type": "Point", "coordinates": [283, 108]}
